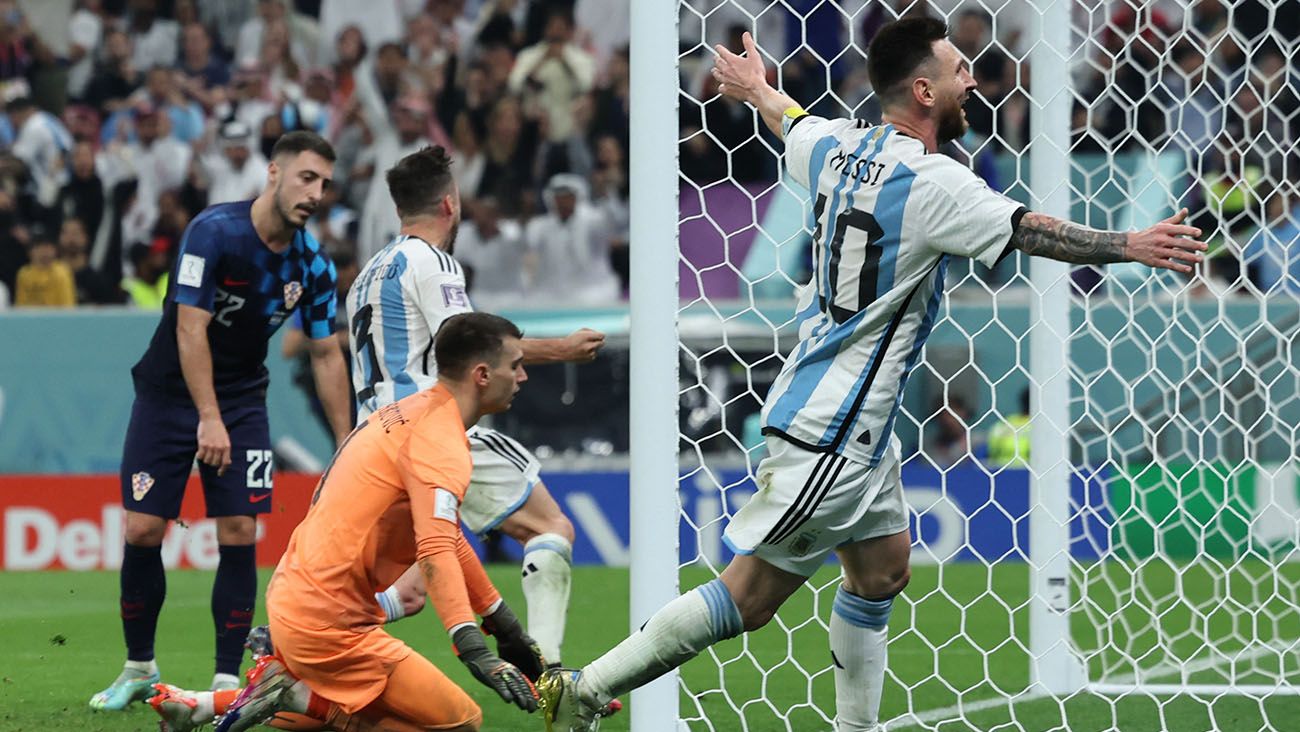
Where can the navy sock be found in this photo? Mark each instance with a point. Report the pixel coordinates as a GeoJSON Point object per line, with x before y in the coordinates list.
{"type": "Point", "coordinates": [234, 594]}
{"type": "Point", "coordinates": [143, 588]}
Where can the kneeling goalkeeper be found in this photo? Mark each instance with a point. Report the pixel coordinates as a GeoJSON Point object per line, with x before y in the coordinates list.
{"type": "Point", "coordinates": [390, 499]}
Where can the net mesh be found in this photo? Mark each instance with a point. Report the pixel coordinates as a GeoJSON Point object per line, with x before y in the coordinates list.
{"type": "Point", "coordinates": [1184, 392]}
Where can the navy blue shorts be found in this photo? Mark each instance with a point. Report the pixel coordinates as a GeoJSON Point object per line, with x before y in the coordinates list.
{"type": "Point", "coordinates": [161, 443]}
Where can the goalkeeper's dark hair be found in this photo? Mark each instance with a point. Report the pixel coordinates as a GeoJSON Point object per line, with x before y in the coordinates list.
{"type": "Point", "coordinates": [897, 51]}
{"type": "Point", "coordinates": [469, 339]}
{"type": "Point", "coordinates": [419, 181]}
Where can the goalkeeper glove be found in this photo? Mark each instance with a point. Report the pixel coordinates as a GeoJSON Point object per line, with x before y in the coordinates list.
{"type": "Point", "coordinates": [491, 671]}
{"type": "Point", "coordinates": [513, 644]}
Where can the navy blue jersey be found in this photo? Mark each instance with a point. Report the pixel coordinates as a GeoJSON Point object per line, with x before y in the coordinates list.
{"type": "Point", "coordinates": [224, 268]}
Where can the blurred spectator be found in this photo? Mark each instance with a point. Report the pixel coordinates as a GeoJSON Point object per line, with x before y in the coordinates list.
{"type": "Point", "coordinates": [379, 222]}
{"type": "Point", "coordinates": [248, 45]}
{"type": "Point", "coordinates": [92, 287]}
{"type": "Point", "coordinates": [467, 162]}
{"type": "Point", "coordinates": [571, 247]}
{"type": "Point", "coordinates": [158, 161]}
{"type": "Point", "coordinates": [611, 103]}
{"type": "Point", "coordinates": [349, 53]}
{"type": "Point", "coordinates": [201, 69]}
{"type": "Point", "coordinates": [18, 45]}
{"type": "Point", "coordinates": [492, 250]}
{"type": "Point", "coordinates": [379, 21]}
{"type": "Point", "coordinates": [606, 26]}
{"type": "Point", "coordinates": [1273, 253]}
{"type": "Point", "coordinates": [552, 74]}
{"type": "Point", "coordinates": [117, 76]}
{"type": "Point", "coordinates": [147, 288]}
{"type": "Point", "coordinates": [246, 102]}
{"type": "Point", "coordinates": [45, 281]}
{"type": "Point", "coordinates": [279, 61]}
{"type": "Point", "coordinates": [510, 147]}
{"type": "Point", "coordinates": [13, 239]}
{"type": "Point", "coordinates": [82, 197]}
{"type": "Point", "coordinates": [155, 39]}
{"type": "Point", "coordinates": [428, 57]}
{"type": "Point", "coordinates": [379, 84]}
{"type": "Point", "coordinates": [473, 98]}
{"type": "Point", "coordinates": [235, 172]}
{"type": "Point", "coordinates": [85, 31]}
{"type": "Point", "coordinates": [41, 142]}
{"type": "Point", "coordinates": [1009, 438]}
{"type": "Point", "coordinates": [455, 28]}
{"type": "Point", "coordinates": [609, 192]}
{"type": "Point", "coordinates": [162, 91]}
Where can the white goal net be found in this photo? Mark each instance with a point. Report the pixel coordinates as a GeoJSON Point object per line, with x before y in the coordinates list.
{"type": "Point", "coordinates": [1102, 464]}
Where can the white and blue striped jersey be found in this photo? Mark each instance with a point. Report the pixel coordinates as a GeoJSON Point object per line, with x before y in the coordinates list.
{"type": "Point", "coordinates": [888, 215]}
{"type": "Point", "coordinates": [395, 307]}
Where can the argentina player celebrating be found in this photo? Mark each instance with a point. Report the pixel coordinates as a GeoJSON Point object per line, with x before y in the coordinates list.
{"type": "Point", "coordinates": [890, 215]}
{"type": "Point", "coordinates": [200, 391]}
{"type": "Point", "coordinates": [400, 299]}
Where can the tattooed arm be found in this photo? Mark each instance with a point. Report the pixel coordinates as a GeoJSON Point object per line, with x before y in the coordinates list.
{"type": "Point", "coordinates": [1167, 245]}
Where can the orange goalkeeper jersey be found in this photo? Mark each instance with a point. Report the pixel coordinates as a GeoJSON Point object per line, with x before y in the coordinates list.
{"type": "Point", "coordinates": [390, 497]}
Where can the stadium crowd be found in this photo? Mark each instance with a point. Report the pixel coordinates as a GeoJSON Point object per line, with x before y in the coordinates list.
{"type": "Point", "coordinates": [130, 117]}
{"type": "Point", "coordinates": [124, 118]}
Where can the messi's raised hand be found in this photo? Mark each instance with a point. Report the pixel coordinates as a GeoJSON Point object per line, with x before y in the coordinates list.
{"type": "Point", "coordinates": [740, 77]}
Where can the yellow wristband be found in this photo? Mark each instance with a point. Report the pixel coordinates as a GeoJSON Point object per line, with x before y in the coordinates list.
{"type": "Point", "coordinates": [792, 114]}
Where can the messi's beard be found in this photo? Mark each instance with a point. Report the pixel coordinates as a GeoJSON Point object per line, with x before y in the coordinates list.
{"type": "Point", "coordinates": [449, 242]}
{"type": "Point", "coordinates": [952, 124]}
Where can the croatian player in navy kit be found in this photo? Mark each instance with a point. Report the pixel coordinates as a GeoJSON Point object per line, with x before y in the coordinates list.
{"type": "Point", "coordinates": [200, 391]}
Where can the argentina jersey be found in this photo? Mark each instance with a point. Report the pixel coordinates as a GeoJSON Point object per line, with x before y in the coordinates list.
{"type": "Point", "coordinates": [888, 215]}
{"type": "Point", "coordinates": [223, 267]}
{"type": "Point", "coordinates": [395, 307]}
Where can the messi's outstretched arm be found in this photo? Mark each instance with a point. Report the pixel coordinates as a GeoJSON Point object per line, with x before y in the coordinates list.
{"type": "Point", "coordinates": [1167, 245]}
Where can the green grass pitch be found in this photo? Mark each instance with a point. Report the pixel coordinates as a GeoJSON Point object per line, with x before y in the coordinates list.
{"type": "Point", "coordinates": [60, 641]}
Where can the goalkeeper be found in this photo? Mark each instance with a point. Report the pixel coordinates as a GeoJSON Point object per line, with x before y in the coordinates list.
{"type": "Point", "coordinates": [890, 214]}
{"type": "Point", "coordinates": [390, 499]}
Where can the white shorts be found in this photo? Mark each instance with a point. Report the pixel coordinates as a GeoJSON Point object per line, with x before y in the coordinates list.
{"type": "Point", "coordinates": [503, 478]}
{"type": "Point", "coordinates": [809, 503]}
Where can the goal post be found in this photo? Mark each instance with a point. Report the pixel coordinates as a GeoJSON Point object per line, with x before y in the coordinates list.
{"type": "Point", "coordinates": [1144, 556]}
{"type": "Point", "coordinates": [652, 409]}
{"type": "Point", "coordinates": [1054, 668]}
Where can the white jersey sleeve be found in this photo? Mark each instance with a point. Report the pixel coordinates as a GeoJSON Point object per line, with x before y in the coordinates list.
{"type": "Point", "coordinates": [963, 216]}
{"type": "Point", "coordinates": [803, 139]}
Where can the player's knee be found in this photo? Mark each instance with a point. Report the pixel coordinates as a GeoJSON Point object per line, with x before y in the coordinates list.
{"type": "Point", "coordinates": [561, 525]}
{"type": "Point", "coordinates": [886, 582]}
{"type": "Point", "coordinates": [471, 723]}
{"type": "Point", "coordinates": [236, 530]}
{"type": "Point", "coordinates": [755, 611]}
{"type": "Point", "coordinates": [144, 530]}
